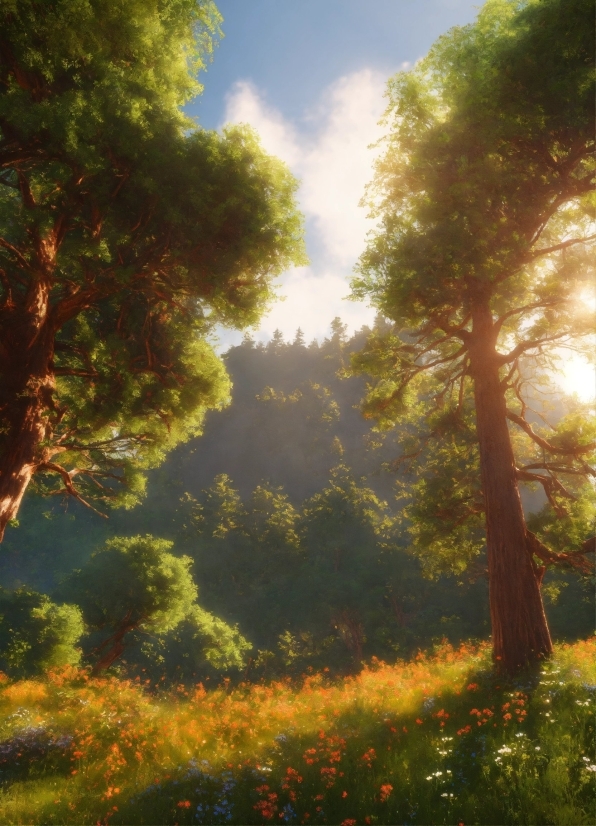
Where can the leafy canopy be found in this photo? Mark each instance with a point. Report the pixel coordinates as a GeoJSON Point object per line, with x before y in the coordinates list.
{"type": "Point", "coordinates": [36, 633]}
{"type": "Point", "coordinates": [127, 233]}
{"type": "Point", "coordinates": [484, 196]}
{"type": "Point", "coordinates": [134, 581]}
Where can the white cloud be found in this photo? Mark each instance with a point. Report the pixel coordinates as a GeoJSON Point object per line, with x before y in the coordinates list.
{"type": "Point", "coordinates": [337, 167]}
{"type": "Point", "coordinates": [330, 154]}
{"type": "Point", "coordinates": [312, 300]}
{"type": "Point", "coordinates": [278, 136]}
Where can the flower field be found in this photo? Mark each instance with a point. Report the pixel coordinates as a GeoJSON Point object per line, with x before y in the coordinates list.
{"type": "Point", "coordinates": [438, 740]}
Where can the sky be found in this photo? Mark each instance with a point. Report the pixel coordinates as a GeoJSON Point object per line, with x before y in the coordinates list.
{"type": "Point", "coordinates": [310, 76]}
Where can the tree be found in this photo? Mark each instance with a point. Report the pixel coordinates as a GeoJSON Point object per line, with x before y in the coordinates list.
{"type": "Point", "coordinates": [345, 526]}
{"type": "Point", "coordinates": [132, 583]}
{"type": "Point", "coordinates": [480, 259]}
{"type": "Point", "coordinates": [36, 633]}
{"type": "Point", "coordinates": [126, 234]}
{"type": "Point", "coordinates": [201, 647]}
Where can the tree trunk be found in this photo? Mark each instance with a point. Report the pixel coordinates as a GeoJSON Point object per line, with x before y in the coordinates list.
{"type": "Point", "coordinates": [26, 390]}
{"type": "Point", "coordinates": [519, 628]}
{"type": "Point", "coordinates": [115, 650]}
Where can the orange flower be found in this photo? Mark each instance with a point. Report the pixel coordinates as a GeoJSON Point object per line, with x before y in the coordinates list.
{"type": "Point", "coordinates": [418, 721]}
{"type": "Point", "coordinates": [183, 804]}
{"type": "Point", "coordinates": [385, 791]}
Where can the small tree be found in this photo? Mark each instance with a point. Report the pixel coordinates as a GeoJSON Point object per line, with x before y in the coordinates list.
{"type": "Point", "coordinates": [132, 583]}
{"type": "Point", "coordinates": [126, 233]}
{"type": "Point", "coordinates": [36, 633]}
{"type": "Point", "coordinates": [480, 258]}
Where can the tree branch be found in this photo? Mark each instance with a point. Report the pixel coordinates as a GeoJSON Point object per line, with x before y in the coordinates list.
{"type": "Point", "coordinates": [536, 548]}
{"type": "Point", "coordinates": [543, 443]}
{"type": "Point", "coordinates": [68, 485]}
{"type": "Point", "coordinates": [563, 245]}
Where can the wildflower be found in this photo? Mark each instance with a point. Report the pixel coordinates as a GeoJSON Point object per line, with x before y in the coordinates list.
{"type": "Point", "coordinates": [385, 791]}
{"type": "Point", "coordinates": [368, 756]}
{"type": "Point", "coordinates": [348, 822]}
{"type": "Point", "coordinates": [183, 804]}
{"type": "Point", "coordinates": [345, 794]}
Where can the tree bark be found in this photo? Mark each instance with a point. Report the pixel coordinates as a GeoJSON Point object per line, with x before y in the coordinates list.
{"type": "Point", "coordinates": [519, 627]}
{"type": "Point", "coordinates": [115, 650]}
{"type": "Point", "coordinates": [26, 395]}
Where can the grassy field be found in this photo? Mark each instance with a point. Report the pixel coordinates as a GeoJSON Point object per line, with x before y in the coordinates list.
{"type": "Point", "coordinates": [438, 740]}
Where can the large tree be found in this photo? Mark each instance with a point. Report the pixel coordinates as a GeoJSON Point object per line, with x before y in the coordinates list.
{"type": "Point", "coordinates": [126, 234]}
{"type": "Point", "coordinates": [481, 261]}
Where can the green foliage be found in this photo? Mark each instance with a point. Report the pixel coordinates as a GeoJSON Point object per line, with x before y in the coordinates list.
{"type": "Point", "coordinates": [201, 647]}
{"type": "Point", "coordinates": [36, 633]}
{"type": "Point", "coordinates": [260, 464]}
{"type": "Point", "coordinates": [222, 646]}
{"type": "Point", "coordinates": [137, 230]}
{"type": "Point", "coordinates": [134, 581]}
{"type": "Point", "coordinates": [323, 585]}
{"type": "Point", "coordinates": [484, 199]}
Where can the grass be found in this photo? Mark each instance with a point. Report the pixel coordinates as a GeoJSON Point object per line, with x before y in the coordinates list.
{"type": "Point", "coordinates": [438, 740]}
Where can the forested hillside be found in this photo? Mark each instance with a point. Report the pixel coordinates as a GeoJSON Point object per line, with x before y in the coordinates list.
{"type": "Point", "coordinates": [287, 505]}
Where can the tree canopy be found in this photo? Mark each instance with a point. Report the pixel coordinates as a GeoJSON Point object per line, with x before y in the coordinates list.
{"type": "Point", "coordinates": [132, 583]}
{"type": "Point", "coordinates": [126, 233]}
{"type": "Point", "coordinates": [37, 633]}
{"type": "Point", "coordinates": [481, 260]}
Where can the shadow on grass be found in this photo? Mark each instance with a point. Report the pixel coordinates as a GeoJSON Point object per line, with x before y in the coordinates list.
{"type": "Point", "coordinates": [32, 752]}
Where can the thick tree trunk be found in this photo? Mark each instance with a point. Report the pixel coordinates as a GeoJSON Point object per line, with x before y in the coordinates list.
{"type": "Point", "coordinates": [26, 389]}
{"type": "Point", "coordinates": [519, 628]}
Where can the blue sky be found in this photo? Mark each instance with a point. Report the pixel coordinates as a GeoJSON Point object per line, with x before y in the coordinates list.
{"type": "Point", "coordinates": [293, 49]}
{"type": "Point", "coordinates": [309, 75]}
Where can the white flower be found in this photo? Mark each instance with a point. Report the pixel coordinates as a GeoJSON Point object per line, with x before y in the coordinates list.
{"type": "Point", "coordinates": [591, 768]}
{"type": "Point", "coordinates": [504, 750]}
{"type": "Point", "coordinates": [430, 777]}
{"type": "Point", "coordinates": [536, 748]}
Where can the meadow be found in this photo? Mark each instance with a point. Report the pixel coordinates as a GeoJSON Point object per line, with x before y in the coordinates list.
{"type": "Point", "coordinates": [437, 740]}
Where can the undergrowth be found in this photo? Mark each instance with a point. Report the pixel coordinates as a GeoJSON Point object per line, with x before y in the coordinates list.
{"type": "Point", "coordinates": [439, 740]}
